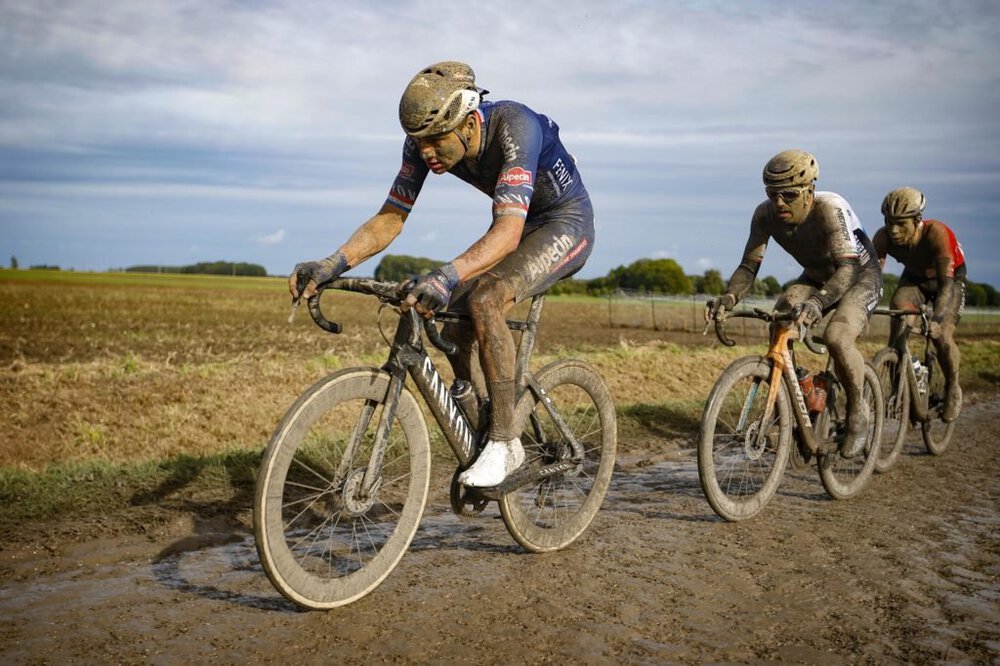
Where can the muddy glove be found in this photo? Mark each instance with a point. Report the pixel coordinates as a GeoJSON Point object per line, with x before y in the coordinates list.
{"type": "Point", "coordinates": [715, 308]}
{"type": "Point", "coordinates": [320, 272]}
{"type": "Point", "coordinates": [431, 292]}
{"type": "Point", "coordinates": [808, 312]}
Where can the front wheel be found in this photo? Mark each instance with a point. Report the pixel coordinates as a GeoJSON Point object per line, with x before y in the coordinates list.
{"type": "Point", "coordinates": [937, 434]}
{"type": "Point", "coordinates": [742, 452]}
{"type": "Point", "coordinates": [896, 391]}
{"type": "Point", "coordinates": [845, 478]}
{"type": "Point", "coordinates": [551, 513]}
{"type": "Point", "coordinates": [327, 535]}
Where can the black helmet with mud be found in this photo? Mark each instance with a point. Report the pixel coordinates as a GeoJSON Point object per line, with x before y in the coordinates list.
{"type": "Point", "coordinates": [438, 99]}
{"type": "Point", "coordinates": [903, 202]}
{"type": "Point", "coordinates": [791, 168]}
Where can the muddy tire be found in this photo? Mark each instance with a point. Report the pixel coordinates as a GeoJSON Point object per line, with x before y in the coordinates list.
{"type": "Point", "coordinates": [553, 513]}
{"type": "Point", "coordinates": [321, 542]}
{"type": "Point", "coordinates": [896, 392]}
{"type": "Point", "coordinates": [739, 470]}
{"type": "Point", "coordinates": [844, 478]}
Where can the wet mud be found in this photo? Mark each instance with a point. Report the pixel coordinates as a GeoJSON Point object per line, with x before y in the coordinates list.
{"type": "Point", "coordinates": [907, 573]}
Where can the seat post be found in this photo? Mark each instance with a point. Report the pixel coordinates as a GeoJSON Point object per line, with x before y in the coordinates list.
{"type": "Point", "coordinates": [527, 342]}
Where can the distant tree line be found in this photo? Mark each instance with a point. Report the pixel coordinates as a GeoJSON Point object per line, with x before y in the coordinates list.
{"type": "Point", "coordinates": [660, 276]}
{"type": "Point", "coordinates": [654, 276]}
{"type": "Point", "coordinates": [205, 268]}
{"type": "Point", "coordinates": [400, 267]}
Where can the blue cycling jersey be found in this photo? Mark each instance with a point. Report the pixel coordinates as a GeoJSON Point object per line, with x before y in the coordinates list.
{"type": "Point", "coordinates": [521, 164]}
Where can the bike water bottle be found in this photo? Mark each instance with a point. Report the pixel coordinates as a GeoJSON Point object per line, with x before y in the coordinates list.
{"type": "Point", "coordinates": [817, 401]}
{"type": "Point", "coordinates": [467, 401]}
{"type": "Point", "coordinates": [805, 382]}
{"type": "Point", "coordinates": [920, 372]}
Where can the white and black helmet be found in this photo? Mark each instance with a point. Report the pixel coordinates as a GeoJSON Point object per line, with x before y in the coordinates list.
{"type": "Point", "coordinates": [438, 99]}
{"type": "Point", "coordinates": [903, 202]}
{"type": "Point", "coordinates": [791, 168]}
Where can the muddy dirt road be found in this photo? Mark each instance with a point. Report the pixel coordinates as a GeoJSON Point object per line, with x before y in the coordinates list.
{"type": "Point", "coordinates": [910, 572]}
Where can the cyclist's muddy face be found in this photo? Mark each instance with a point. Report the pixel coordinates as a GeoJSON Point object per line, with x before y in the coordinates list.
{"type": "Point", "coordinates": [791, 204]}
{"type": "Point", "coordinates": [441, 152]}
{"type": "Point", "coordinates": [902, 230]}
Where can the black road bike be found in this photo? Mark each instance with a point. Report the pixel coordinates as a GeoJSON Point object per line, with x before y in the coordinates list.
{"type": "Point", "coordinates": [913, 389]}
{"type": "Point", "coordinates": [344, 480]}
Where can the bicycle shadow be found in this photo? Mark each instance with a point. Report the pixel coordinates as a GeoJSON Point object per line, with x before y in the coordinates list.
{"type": "Point", "coordinates": [218, 556]}
{"type": "Point", "coordinates": [218, 560]}
{"type": "Point", "coordinates": [656, 420]}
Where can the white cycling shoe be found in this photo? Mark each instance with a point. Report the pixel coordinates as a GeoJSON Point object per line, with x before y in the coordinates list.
{"type": "Point", "coordinates": [497, 460]}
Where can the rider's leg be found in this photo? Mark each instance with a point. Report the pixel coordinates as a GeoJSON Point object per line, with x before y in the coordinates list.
{"type": "Point", "coordinates": [555, 247]}
{"type": "Point", "coordinates": [950, 358]}
{"type": "Point", "coordinates": [943, 337]}
{"type": "Point", "coordinates": [841, 334]}
{"type": "Point", "coordinates": [489, 301]}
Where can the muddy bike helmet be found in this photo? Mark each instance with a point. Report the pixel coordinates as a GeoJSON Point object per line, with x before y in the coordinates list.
{"type": "Point", "coordinates": [438, 99]}
{"type": "Point", "coordinates": [903, 202]}
{"type": "Point", "coordinates": [791, 168]}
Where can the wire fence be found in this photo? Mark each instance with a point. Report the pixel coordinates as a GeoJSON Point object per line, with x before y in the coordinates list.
{"type": "Point", "coordinates": [659, 312]}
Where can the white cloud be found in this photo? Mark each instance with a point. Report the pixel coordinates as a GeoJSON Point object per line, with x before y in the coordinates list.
{"type": "Point", "coordinates": [272, 239]}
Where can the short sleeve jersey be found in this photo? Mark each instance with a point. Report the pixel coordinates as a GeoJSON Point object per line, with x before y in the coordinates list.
{"type": "Point", "coordinates": [522, 165]}
{"type": "Point", "coordinates": [937, 252]}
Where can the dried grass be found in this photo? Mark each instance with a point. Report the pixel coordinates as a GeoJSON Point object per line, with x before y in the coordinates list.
{"type": "Point", "coordinates": [122, 371]}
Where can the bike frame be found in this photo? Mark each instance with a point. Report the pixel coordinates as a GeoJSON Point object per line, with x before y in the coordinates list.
{"type": "Point", "coordinates": [919, 412]}
{"type": "Point", "coordinates": [783, 369]}
{"type": "Point", "coordinates": [408, 356]}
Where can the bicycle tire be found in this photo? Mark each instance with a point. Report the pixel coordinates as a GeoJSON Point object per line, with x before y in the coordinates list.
{"type": "Point", "coordinates": [552, 513]}
{"type": "Point", "coordinates": [936, 433]}
{"type": "Point", "coordinates": [737, 475]}
{"type": "Point", "coordinates": [896, 392]}
{"type": "Point", "coordinates": [844, 478]}
{"type": "Point", "coordinates": [321, 546]}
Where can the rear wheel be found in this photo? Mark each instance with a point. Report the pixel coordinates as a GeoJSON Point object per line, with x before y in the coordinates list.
{"type": "Point", "coordinates": [552, 513]}
{"type": "Point", "coordinates": [937, 433]}
{"type": "Point", "coordinates": [896, 391]}
{"type": "Point", "coordinates": [845, 478]}
{"type": "Point", "coordinates": [322, 539]}
{"type": "Point", "coordinates": [742, 456]}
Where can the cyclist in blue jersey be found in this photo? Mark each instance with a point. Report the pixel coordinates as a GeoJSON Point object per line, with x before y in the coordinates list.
{"type": "Point", "coordinates": [841, 274]}
{"type": "Point", "coordinates": [542, 230]}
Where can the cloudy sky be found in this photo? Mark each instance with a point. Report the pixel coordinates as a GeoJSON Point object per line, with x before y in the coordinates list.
{"type": "Point", "coordinates": [171, 132]}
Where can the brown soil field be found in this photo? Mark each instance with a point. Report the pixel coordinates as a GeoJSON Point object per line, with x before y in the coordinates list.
{"type": "Point", "coordinates": [158, 565]}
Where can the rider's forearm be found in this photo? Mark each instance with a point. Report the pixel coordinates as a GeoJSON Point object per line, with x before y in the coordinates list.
{"type": "Point", "coordinates": [742, 279]}
{"type": "Point", "coordinates": [373, 236]}
{"type": "Point", "coordinates": [842, 279]}
{"type": "Point", "coordinates": [501, 239]}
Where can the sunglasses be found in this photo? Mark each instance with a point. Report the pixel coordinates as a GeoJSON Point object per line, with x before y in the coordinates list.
{"type": "Point", "coordinates": [788, 196]}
